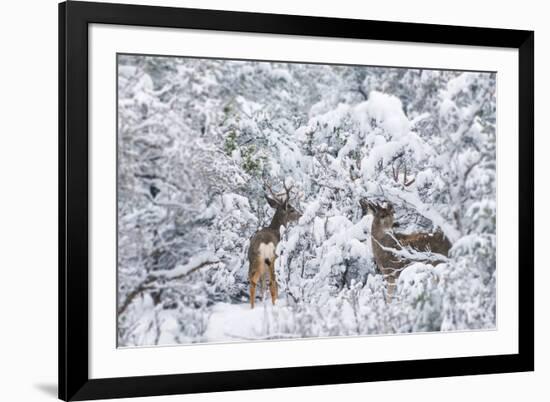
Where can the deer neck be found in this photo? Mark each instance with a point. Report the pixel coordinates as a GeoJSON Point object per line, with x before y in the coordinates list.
{"type": "Point", "coordinates": [378, 229]}
{"type": "Point", "coordinates": [277, 221]}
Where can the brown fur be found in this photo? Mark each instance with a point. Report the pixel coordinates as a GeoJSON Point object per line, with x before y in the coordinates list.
{"type": "Point", "coordinates": [259, 268]}
{"type": "Point", "coordinates": [382, 235]}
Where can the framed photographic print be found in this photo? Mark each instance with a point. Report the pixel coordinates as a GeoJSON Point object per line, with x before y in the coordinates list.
{"type": "Point", "coordinates": [350, 200]}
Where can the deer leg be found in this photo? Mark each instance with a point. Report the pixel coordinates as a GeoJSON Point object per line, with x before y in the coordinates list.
{"type": "Point", "coordinates": [252, 294]}
{"type": "Point", "coordinates": [273, 282]}
{"type": "Point", "coordinates": [389, 275]}
{"type": "Point", "coordinates": [254, 276]}
{"type": "Point", "coordinates": [262, 287]}
{"type": "Point", "coordinates": [391, 287]}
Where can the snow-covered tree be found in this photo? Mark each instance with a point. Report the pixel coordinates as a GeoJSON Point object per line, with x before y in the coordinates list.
{"type": "Point", "coordinates": [199, 140]}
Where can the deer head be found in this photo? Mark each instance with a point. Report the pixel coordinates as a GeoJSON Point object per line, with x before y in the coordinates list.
{"type": "Point", "coordinates": [383, 215]}
{"type": "Point", "coordinates": [284, 211]}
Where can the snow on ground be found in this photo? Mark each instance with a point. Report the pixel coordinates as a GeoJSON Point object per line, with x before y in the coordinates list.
{"type": "Point", "coordinates": [234, 322]}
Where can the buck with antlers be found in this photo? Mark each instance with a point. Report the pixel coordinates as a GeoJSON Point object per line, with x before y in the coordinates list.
{"type": "Point", "coordinates": [261, 253]}
{"type": "Point", "coordinates": [394, 251]}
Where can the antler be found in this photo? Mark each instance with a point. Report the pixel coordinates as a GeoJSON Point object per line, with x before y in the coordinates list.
{"type": "Point", "coordinates": [279, 195]}
{"type": "Point", "coordinates": [268, 186]}
{"type": "Point", "coordinates": [287, 190]}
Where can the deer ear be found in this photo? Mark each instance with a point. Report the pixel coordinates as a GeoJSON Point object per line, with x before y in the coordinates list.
{"type": "Point", "coordinates": [272, 203]}
{"type": "Point", "coordinates": [369, 205]}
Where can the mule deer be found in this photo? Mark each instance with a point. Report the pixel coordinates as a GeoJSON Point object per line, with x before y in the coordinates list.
{"type": "Point", "coordinates": [261, 253]}
{"type": "Point", "coordinates": [392, 251]}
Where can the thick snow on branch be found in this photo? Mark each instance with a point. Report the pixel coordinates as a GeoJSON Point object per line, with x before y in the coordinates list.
{"type": "Point", "coordinates": [428, 211]}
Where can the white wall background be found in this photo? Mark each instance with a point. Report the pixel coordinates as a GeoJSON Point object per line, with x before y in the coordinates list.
{"type": "Point", "coordinates": [28, 198]}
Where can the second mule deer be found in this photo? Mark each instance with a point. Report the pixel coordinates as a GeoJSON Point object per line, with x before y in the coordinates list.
{"type": "Point", "coordinates": [261, 253]}
{"type": "Point", "coordinates": [391, 249]}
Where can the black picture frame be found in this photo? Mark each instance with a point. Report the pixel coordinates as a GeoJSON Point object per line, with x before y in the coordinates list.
{"type": "Point", "coordinates": [74, 381]}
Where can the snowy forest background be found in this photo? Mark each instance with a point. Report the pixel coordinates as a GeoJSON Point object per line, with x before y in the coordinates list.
{"type": "Point", "coordinates": [199, 138]}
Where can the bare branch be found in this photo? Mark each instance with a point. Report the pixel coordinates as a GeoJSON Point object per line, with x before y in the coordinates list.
{"type": "Point", "coordinates": [407, 184]}
{"type": "Point", "coordinates": [148, 284]}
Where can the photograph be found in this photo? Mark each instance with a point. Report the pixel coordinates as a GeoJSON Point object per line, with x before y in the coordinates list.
{"type": "Point", "coordinates": [271, 200]}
